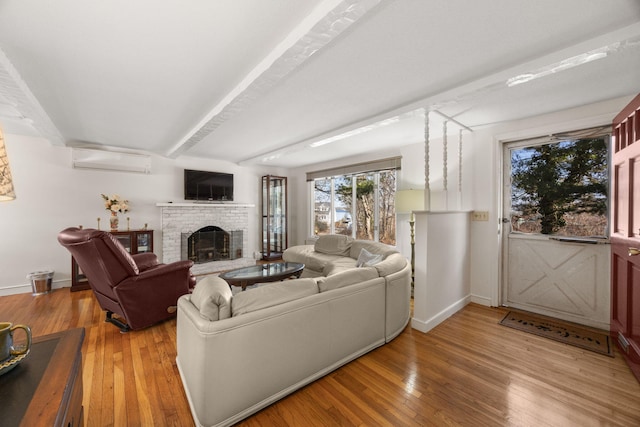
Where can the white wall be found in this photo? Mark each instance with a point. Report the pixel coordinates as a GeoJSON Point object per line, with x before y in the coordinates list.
{"type": "Point", "coordinates": [51, 196]}
{"type": "Point", "coordinates": [481, 183]}
{"type": "Point", "coordinates": [442, 285]}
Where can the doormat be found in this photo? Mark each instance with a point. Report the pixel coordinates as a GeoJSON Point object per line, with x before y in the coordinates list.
{"type": "Point", "coordinates": [558, 330]}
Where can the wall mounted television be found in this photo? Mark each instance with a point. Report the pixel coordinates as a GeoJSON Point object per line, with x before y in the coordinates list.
{"type": "Point", "coordinates": [208, 186]}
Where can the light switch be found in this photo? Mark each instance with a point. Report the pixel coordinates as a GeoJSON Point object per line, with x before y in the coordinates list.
{"type": "Point", "coordinates": [480, 216]}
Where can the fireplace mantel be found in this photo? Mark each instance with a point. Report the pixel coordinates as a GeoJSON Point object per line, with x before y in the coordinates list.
{"type": "Point", "coordinates": [206, 204]}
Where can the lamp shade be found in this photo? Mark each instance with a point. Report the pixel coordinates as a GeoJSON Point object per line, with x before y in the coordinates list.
{"type": "Point", "coordinates": [409, 200]}
{"type": "Point", "coordinates": [6, 182]}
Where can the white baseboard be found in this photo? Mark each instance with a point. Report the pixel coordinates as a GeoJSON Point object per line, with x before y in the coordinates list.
{"type": "Point", "coordinates": [481, 300]}
{"type": "Point", "coordinates": [24, 289]}
{"type": "Point", "coordinates": [427, 325]}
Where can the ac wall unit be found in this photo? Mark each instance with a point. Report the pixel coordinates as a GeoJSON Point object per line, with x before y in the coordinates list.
{"type": "Point", "coordinates": [86, 158]}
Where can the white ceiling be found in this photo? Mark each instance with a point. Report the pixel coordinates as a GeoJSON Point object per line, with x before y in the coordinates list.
{"type": "Point", "coordinates": [257, 81]}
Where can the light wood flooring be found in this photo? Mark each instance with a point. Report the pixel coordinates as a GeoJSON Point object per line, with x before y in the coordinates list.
{"type": "Point", "coordinates": [469, 371]}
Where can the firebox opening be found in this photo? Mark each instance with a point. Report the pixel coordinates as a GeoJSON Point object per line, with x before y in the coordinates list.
{"type": "Point", "coordinates": [212, 243]}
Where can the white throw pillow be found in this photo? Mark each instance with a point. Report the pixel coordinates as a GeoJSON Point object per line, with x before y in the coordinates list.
{"type": "Point", "coordinates": [367, 259]}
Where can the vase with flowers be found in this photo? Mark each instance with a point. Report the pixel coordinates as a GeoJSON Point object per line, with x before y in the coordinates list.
{"type": "Point", "coordinates": [115, 204]}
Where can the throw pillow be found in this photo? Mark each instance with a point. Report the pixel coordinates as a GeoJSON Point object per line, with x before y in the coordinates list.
{"type": "Point", "coordinates": [212, 297]}
{"type": "Point", "coordinates": [371, 246]}
{"type": "Point", "coordinates": [367, 259]}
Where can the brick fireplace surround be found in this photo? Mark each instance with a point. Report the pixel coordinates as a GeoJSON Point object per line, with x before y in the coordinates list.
{"type": "Point", "coordinates": [178, 218]}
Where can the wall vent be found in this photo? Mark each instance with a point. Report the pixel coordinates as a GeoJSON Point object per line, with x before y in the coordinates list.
{"type": "Point", "coordinates": [85, 158]}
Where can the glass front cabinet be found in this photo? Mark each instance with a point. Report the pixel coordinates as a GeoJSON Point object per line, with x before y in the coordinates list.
{"type": "Point", "coordinates": [274, 216]}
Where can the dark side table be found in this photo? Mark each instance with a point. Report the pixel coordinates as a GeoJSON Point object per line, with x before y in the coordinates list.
{"type": "Point", "coordinates": [45, 389]}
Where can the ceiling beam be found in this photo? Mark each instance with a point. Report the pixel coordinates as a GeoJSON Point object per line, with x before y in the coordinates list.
{"type": "Point", "coordinates": [330, 19]}
{"type": "Point", "coordinates": [15, 92]}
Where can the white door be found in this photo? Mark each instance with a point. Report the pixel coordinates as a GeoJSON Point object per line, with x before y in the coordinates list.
{"type": "Point", "coordinates": [562, 273]}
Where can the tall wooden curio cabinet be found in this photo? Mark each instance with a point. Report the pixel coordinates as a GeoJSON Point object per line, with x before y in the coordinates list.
{"type": "Point", "coordinates": [274, 216]}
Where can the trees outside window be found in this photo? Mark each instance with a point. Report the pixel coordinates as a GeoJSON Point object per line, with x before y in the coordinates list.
{"type": "Point", "coordinates": [560, 188]}
{"type": "Point", "coordinates": [387, 207]}
{"type": "Point", "coordinates": [371, 217]}
{"type": "Point", "coordinates": [322, 206]}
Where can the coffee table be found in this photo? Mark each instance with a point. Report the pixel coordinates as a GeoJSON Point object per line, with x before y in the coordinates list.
{"type": "Point", "coordinates": [261, 273]}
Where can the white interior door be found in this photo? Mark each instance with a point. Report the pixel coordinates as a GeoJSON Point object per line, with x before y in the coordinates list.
{"type": "Point", "coordinates": [566, 277]}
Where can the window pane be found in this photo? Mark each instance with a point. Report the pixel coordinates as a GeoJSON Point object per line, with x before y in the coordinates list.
{"type": "Point", "coordinates": [365, 206]}
{"type": "Point", "coordinates": [371, 217]}
{"type": "Point", "coordinates": [343, 222]}
{"type": "Point", "coordinates": [322, 206]}
{"type": "Point", "coordinates": [386, 207]}
{"type": "Point", "coordinates": [560, 188]}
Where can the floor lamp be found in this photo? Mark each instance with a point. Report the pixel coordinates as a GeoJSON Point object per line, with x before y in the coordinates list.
{"type": "Point", "coordinates": [408, 201]}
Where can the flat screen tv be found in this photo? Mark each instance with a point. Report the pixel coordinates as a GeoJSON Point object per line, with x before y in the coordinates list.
{"type": "Point", "coordinates": [208, 186]}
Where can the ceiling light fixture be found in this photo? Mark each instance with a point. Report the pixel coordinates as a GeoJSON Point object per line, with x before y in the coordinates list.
{"type": "Point", "coordinates": [355, 132]}
{"type": "Point", "coordinates": [271, 157]}
{"type": "Point", "coordinates": [565, 64]}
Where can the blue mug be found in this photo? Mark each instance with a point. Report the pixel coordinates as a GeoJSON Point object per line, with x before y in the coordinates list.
{"type": "Point", "coordinates": [7, 349]}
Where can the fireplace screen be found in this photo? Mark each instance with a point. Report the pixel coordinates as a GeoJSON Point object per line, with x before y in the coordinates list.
{"type": "Point", "coordinates": [211, 243]}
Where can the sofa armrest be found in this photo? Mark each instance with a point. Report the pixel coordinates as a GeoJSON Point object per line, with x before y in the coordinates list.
{"type": "Point", "coordinates": [398, 301]}
{"type": "Point", "coordinates": [145, 260]}
{"type": "Point", "coordinates": [162, 269]}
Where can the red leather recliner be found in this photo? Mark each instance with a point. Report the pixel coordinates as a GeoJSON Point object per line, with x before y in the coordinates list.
{"type": "Point", "coordinates": [135, 287]}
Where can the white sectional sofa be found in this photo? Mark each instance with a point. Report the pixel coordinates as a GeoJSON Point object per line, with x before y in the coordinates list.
{"type": "Point", "coordinates": [240, 353]}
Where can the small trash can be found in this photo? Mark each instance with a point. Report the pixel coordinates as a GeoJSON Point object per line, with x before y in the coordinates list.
{"type": "Point", "coordinates": [40, 281]}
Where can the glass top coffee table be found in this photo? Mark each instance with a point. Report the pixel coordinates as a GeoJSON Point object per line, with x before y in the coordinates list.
{"type": "Point", "coordinates": [261, 273]}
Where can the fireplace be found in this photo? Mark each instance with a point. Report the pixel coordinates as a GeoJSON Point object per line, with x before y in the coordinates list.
{"type": "Point", "coordinates": [211, 243]}
{"type": "Point", "coordinates": [179, 220]}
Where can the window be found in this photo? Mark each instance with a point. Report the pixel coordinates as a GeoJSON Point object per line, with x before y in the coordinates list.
{"type": "Point", "coordinates": [559, 186]}
{"type": "Point", "coordinates": [372, 215]}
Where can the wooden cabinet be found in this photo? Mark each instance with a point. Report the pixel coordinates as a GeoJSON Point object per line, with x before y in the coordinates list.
{"type": "Point", "coordinates": [135, 241]}
{"type": "Point", "coordinates": [274, 216]}
{"type": "Point", "coordinates": [45, 389]}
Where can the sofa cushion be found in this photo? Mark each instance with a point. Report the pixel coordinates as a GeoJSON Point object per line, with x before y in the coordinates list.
{"type": "Point", "coordinates": [212, 297]}
{"type": "Point", "coordinates": [372, 247]}
{"type": "Point", "coordinates": [271, 294]}
{"type": "Point", "coordinates": [367, 259]}
{"type": "Point", "coordinates": [339, 264]}
{"type": "Point", "coordinates": [306, 255]}
{"type": "Point", "coordinates": [346, 278]}
{"type": "Point", "coordinates": [391, 264]}
{"type": "Point", "coordinates": [334, 244]}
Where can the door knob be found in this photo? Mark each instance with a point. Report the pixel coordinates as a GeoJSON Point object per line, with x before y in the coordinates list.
{"type": "Point", "coordinates": [634, 251]}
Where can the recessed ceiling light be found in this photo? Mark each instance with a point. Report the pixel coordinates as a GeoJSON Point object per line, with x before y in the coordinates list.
{"type": "Point", "coordinates": [354, 132]}
{"type": "Point", "coordinates": [565, 64]}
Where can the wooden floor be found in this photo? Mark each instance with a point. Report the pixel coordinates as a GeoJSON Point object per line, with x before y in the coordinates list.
{"type": "Point", "coordinates": [469, 371]}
